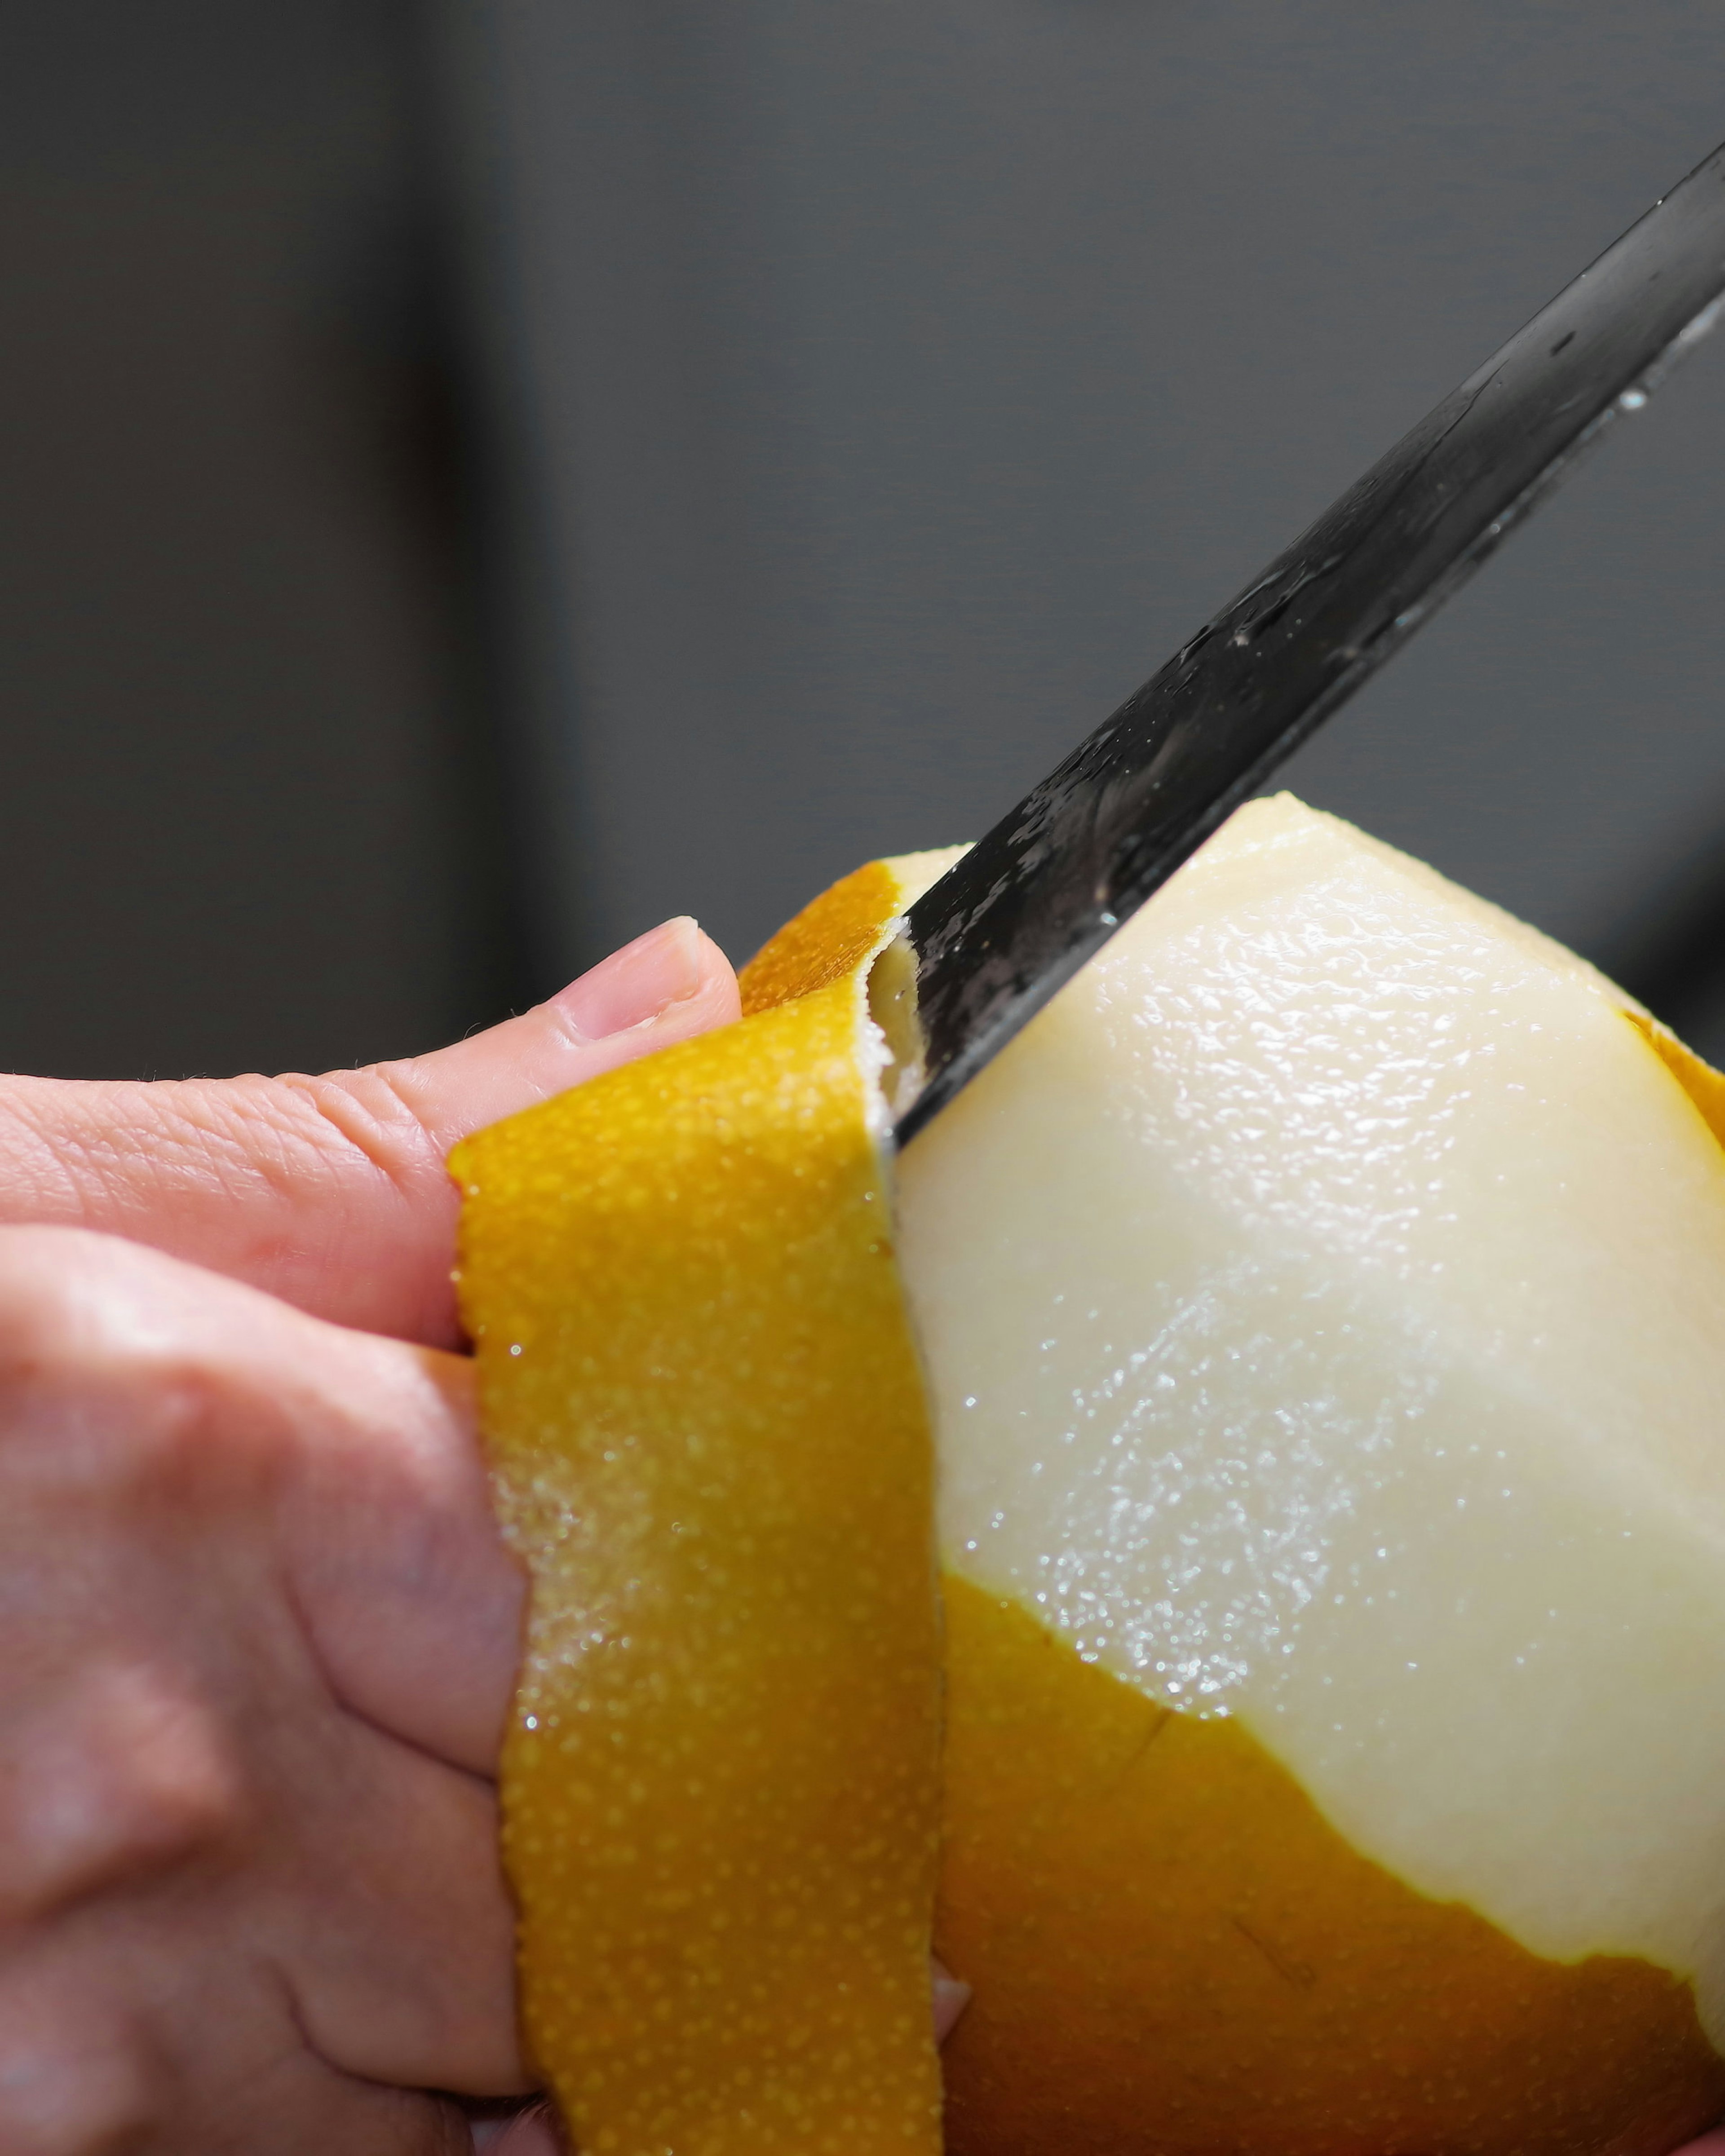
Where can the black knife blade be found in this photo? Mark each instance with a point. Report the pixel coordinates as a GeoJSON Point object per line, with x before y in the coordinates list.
{"type": "Point", "coordinates": [1045, 888]}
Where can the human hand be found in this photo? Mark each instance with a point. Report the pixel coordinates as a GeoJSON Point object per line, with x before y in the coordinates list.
{"type": "Point", "coordinates": [259, 1638]}
{"type": "Point", "coordinates": [257, 1632]}
{"type": "Point", "coordinates": [331, 1192]}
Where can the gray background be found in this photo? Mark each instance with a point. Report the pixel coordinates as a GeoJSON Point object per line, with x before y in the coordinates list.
{"type": "Point", "coordinates": [909, 377]}
{"type": "Point", "coordinates": [477, 476]}
{"type": "Point", "coordinates": [244, 815]}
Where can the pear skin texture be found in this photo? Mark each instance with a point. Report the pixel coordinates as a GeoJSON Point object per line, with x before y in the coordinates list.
{"type": "Point", "coordinates": [725, 1784]}
{"type": "Point", "coordinates": [1173, 1954]}
{"type": "Point", "coordinates": [705, 1418]}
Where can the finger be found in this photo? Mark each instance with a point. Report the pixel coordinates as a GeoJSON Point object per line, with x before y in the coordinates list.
{"type": "Point", "coordinates": [87, 2067]}
{"type": "Point", "coordinates": [112, 1773]}
{"type": "Point", "coordinates": [395, 1931]}
{"type": "Point", "coordinates": [331, 1192]}
{"type": "Point", "coordinates": [191, 1452]}
{"type": "Point", "coordinates": [275, 2096]}
{"type": "Point", "coordinates": [76, 2072]}
{"type": "Point", "coordinates": [218, 1794]}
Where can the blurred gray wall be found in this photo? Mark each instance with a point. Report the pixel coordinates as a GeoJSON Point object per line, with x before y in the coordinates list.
{"type": "Point", "coordinates": [892, 384]}
{"type": "Point", "coordinates": [244, 815]}
{"type": "Point", "coordinates": [453, 514]}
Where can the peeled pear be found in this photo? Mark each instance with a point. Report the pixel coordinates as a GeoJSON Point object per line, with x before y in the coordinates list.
{"type": "Point", "coordinates": [1320, 1314]}
{"type": "Point", "coordinates": [1324, 1315]}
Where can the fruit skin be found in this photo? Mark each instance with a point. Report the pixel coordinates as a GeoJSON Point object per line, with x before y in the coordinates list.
{"type": "Point", "coordinates": [1320, 1304]}
{"type": "Point", "coordinates": [703, 1408]}
{"type": "Point", "coordinates": [1172, 1951]}
{"type": "Point", "coordinates": [835, 939]}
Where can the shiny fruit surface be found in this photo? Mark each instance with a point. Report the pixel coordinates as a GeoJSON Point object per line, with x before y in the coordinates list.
{"type": "Point", "coordinates": [1320, 1311]}
{"type": "Point", "coordinates": [1316, 1314]}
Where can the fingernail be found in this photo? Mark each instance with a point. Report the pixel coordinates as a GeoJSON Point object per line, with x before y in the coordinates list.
{"type": "Point", "coordinates": [530, 2132]}
{"type": "Point", "coordinates": [637, 983]}
{"type": "Point", "coordinates": [951, 1996]}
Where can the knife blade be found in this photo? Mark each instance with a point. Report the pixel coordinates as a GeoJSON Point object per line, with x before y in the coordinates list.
{"type": "Point", "coordinates": [1045, 889]}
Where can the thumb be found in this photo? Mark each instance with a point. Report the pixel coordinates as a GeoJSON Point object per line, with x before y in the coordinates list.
{"type": "Point", "coordinates": [331, 1192]}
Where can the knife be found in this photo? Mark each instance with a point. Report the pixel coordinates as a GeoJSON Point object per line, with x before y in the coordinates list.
{"type": "Point", "coordinates": [1020, 913]}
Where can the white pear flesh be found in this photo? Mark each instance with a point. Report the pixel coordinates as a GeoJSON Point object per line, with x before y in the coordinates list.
{"type": "Point", "coordinates": [1323, 1308]}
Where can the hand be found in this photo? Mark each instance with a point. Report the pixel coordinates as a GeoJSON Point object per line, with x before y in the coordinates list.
{"type": "Point", "coordinates": [260, 1639]}
{"type": "Point", "coordinates": [331, 1192]}
{"type": "Point", "coordinates": [257, 1633]}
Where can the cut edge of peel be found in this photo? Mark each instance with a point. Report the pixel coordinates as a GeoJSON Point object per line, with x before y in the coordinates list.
{"type": "Point", "coordinates": [899, 1052]}
{"type": "Point", "coordinates": [820, 946]}
{"type": "Point", "coordinates": [890, 988]}
{"type": "Point", "coordinates": [1704, 1085]}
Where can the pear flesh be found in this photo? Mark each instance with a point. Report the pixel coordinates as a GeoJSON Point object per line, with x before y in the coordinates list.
{"type": "Point", "coordinates": [1322, 1305]}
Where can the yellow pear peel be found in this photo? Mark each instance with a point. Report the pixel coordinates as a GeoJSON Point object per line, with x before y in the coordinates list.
{"type": "Point", "coordinates": [706, 1425]}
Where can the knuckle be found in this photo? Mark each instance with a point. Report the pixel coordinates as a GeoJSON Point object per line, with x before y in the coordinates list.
{"type": "Point", "coordinates": [102, 1380]}
{"type": "Point", "coordinates": [171, 1421]}
{"type": "Point", "coordinates": [68, 2107]}
{"type": "Point", "coordinates": [125, 1780]}
{"type": "Point", "coordinates": [71, 1299]}
{"type": "Point", "coordinates": [38, 1306]}
{"type": "Point", "coordinates": [72, 2082]}
{"type": "Point", "coordinates": [373, 1116]}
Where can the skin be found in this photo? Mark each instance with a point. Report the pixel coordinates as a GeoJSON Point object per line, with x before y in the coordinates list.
{"type": "Point", "coordinates": [259, 1635]}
